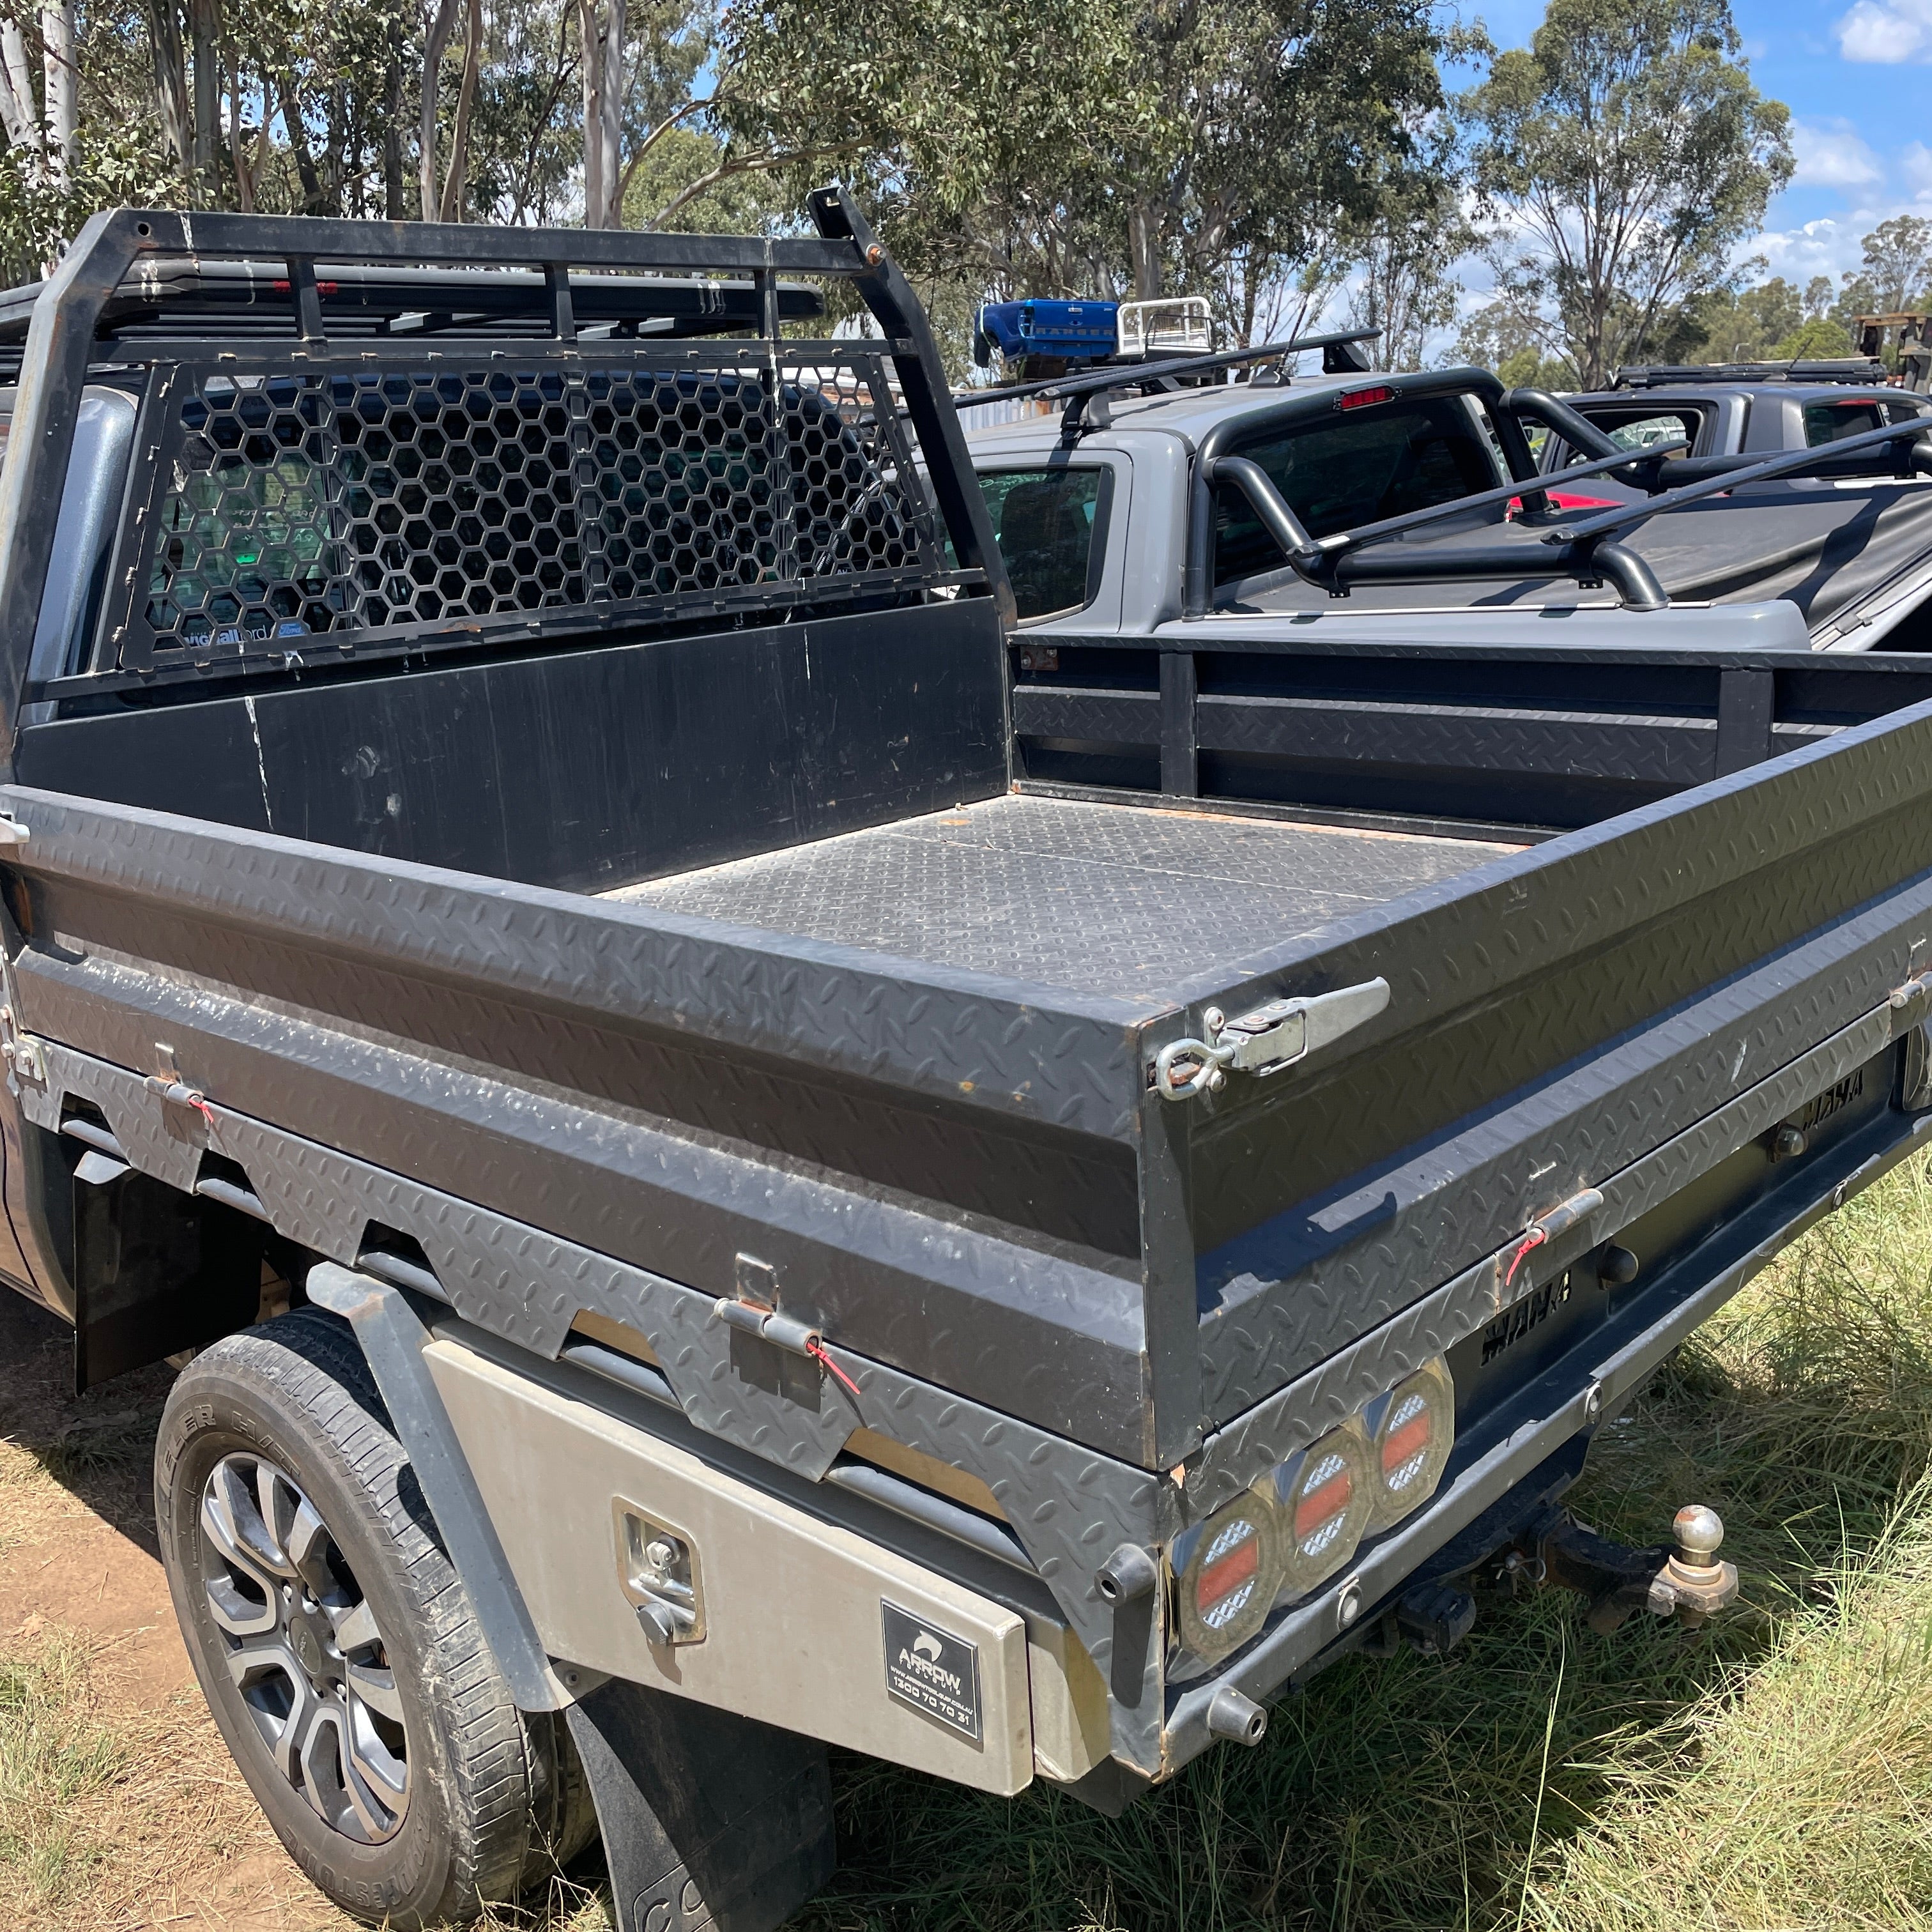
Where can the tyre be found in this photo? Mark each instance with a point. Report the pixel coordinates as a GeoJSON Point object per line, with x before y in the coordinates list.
{"type": "Point", "coordinates": [335, 1645]}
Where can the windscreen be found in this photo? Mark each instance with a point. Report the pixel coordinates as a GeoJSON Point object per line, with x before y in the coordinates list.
{"type": "Point", "coordinates": [1339, 472]}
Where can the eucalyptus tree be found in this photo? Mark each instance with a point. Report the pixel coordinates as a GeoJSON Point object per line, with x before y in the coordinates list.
{"type": "Point", "coordinates": [1622, 155]}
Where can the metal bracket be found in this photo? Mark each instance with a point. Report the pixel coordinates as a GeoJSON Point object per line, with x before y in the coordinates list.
{"type": "Point", "coordinates": [393, 1338]}
{"type": "Point", "coordinates": [26, 1056]}
{"type": "Point", "coordinates": [658, 1570]}
{"type": "Point", "coordinates": [784, 1331]}
{"type": "Point", "coordinates": [1265, 1041]}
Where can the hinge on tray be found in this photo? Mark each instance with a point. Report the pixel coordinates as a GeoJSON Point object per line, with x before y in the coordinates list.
{"type": "Point", "coordinates": [1264, 1041]}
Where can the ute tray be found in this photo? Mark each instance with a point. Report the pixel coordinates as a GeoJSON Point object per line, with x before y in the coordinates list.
{"type": "Point", "coordinates": [1117, 899]}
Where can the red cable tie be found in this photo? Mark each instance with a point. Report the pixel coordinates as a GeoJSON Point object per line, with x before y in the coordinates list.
{"type": "Point", "coordinates": [816, 1350]}
{"type": "Point", "coordinates": [206, 1110]}
{"type": "Point", "coordinates": [1534, 1238]}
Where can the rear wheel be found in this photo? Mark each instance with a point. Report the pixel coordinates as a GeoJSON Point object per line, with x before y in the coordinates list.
{"type": "Point", "coordinates": [335, 1644]}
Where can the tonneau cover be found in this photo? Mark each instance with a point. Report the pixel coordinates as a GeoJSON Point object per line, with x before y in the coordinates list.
{"type": "Point", "coordinates": [1822, 547]}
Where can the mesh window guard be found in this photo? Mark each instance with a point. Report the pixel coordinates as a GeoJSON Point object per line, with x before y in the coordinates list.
{"type": "Point", "coordinates": [366, 502]}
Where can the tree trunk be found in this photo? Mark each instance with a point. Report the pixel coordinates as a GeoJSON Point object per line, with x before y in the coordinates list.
{"type": "Point", "coordinates": [603, 47]}
{"type": "Point", "coordinates": [17, 104]}
{"type": "Point", "coordinates": [62, 78]}
{"type": "Point", "coordinates": [451, 207]}
{"type": "Point", "coordinates": [392, 127]}
{"type": "Point", "coordinates": [291, 120]}
{"type": "Point", "coordinates": [336, 176]}
{"type": "Point", "coordinates": [441, 28]}
{"type": "Point", "coordinates": [204, 29]}
{"type": "Point", "coordinates": [611, 129]}
{"type": "Point", "coordinates": [244, 175]}
{"type": "Point", "coordinates": [1143, 245]}
{"type": "Point", "coordinates": [591, 50]}
{"type": "Point", "coordinates": [170, 78]}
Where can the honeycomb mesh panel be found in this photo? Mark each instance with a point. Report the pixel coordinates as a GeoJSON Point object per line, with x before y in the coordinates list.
{"type": "Point", "coordinates": [849, 510]}
{"type": "Point", "coordinates": [295, 504]}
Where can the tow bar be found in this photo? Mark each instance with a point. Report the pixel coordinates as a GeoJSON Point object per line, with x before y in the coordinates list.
{"type": "Point", "coordinates": [1688, 1581]}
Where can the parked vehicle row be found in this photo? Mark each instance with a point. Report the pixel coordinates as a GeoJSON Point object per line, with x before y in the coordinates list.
{"type": "Point", "coordinates": [1400, 499]}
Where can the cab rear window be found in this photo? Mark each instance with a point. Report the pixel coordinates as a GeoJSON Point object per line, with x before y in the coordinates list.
{"type": "Point", "coordinates": [1051, 525]}
{"type": "Point", "coordinates": [1640, 431]}
{"type": "Point", "coordinates": [1339, 472]}
{"type": "Point", "coordinates": [1832, 422]}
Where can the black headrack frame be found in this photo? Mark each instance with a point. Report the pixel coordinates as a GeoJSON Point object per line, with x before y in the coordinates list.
{"type": "Point", "coordinates": [122, 264]}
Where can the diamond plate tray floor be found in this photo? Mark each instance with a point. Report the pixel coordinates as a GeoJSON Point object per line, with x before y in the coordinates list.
{"type": "Point", "coordinates": [1100, 898]}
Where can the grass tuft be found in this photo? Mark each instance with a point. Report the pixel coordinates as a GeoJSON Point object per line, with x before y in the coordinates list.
{"type": "Point", "coordinates": [93, 1445]}
{"type": "Point", "coordinates": [54, 1753]}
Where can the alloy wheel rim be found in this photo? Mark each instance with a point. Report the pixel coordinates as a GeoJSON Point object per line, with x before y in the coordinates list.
{"type": "Point", "coordinates": [303, 1648]}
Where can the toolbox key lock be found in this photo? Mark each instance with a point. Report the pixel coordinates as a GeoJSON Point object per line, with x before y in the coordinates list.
{"type": "Point", "coordinates": [1263, 1041]}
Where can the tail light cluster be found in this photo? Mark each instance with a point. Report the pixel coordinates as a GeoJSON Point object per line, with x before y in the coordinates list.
{"type": "Point", "coordinates": [1292, 1531]}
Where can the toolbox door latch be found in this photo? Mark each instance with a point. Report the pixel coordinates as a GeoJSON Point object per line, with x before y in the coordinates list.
{"type": "Point", "coordinates": [1264, 1041]}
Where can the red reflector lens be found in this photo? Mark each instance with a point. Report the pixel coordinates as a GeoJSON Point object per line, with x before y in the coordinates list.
{"type": "Point", "coordinates": [1326, 1493]}
{"type": "Point", "coordinates": [1323, 1503]}
{"type": "Point", "coordinates": [1405, 1442]}
{"type": "Point", "coordinates": [1414, 1426]}
{"type": "Point", "coordinates": [1361, 399]}
{"type": "Point", "coordinates": [1228, 1576]}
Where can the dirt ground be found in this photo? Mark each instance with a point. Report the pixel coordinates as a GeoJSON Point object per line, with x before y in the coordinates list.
{"type": "Point", "coordinates": [156, 1829]}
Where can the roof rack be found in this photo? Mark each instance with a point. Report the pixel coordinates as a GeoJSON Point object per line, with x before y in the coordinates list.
{"type": "Point", "coordinates": [1340, 357]}
{"type": "Point", "coordinates": [1835, 369]}
{"type": "Point", "coordinates": [180, 296]}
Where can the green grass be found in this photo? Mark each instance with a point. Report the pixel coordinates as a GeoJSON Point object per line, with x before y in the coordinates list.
{"type": "Point", "coordinates": [54, 1755]}
{"type": "Point", "coordinates": [1773, 1770]}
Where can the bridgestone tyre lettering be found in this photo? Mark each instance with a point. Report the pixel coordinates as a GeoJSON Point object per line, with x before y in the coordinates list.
{"type": "Point", "coordinates": [495, 1798]}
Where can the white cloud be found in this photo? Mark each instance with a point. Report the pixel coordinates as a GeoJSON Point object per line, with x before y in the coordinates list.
{"type": "Point", "coordinates": [1833, 156]}
{"type": "Point", "coordinates": [1824, 248]}
{"type": "Point", "coordinates": [1887, 31]}
{"type": "Point", "coordinates": [1915, 164]}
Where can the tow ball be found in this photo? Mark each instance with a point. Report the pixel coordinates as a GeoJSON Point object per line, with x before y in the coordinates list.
{"type": "Point", "coordinates": [1689, 1580]}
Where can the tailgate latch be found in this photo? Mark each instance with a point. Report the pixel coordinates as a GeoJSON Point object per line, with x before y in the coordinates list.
{"type": "Point", "coordinates": [1264, 1041]}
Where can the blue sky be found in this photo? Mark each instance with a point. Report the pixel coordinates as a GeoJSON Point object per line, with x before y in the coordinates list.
{"type": "Point", "coordinates": [1857, 76]}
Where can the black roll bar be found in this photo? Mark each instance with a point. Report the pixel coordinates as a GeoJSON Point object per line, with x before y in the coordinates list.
{"type": "Point", "coordinates": [1275, 511]}
{"type": "Point", "coordinates": [1583, 551]}
{"type": "Point", "coordinates": [1787, 463]}
{"type": "Point", "coordinates": [1575, 429]}
{"type": "Point", "coordinates": [1336, 563]}
{"type": "Point", "coordinates": [1197, 584]}
{"type": "Point", "coordinates": [1587, 562]}
{"type": "Point", "coordinates": [1483, 500]}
